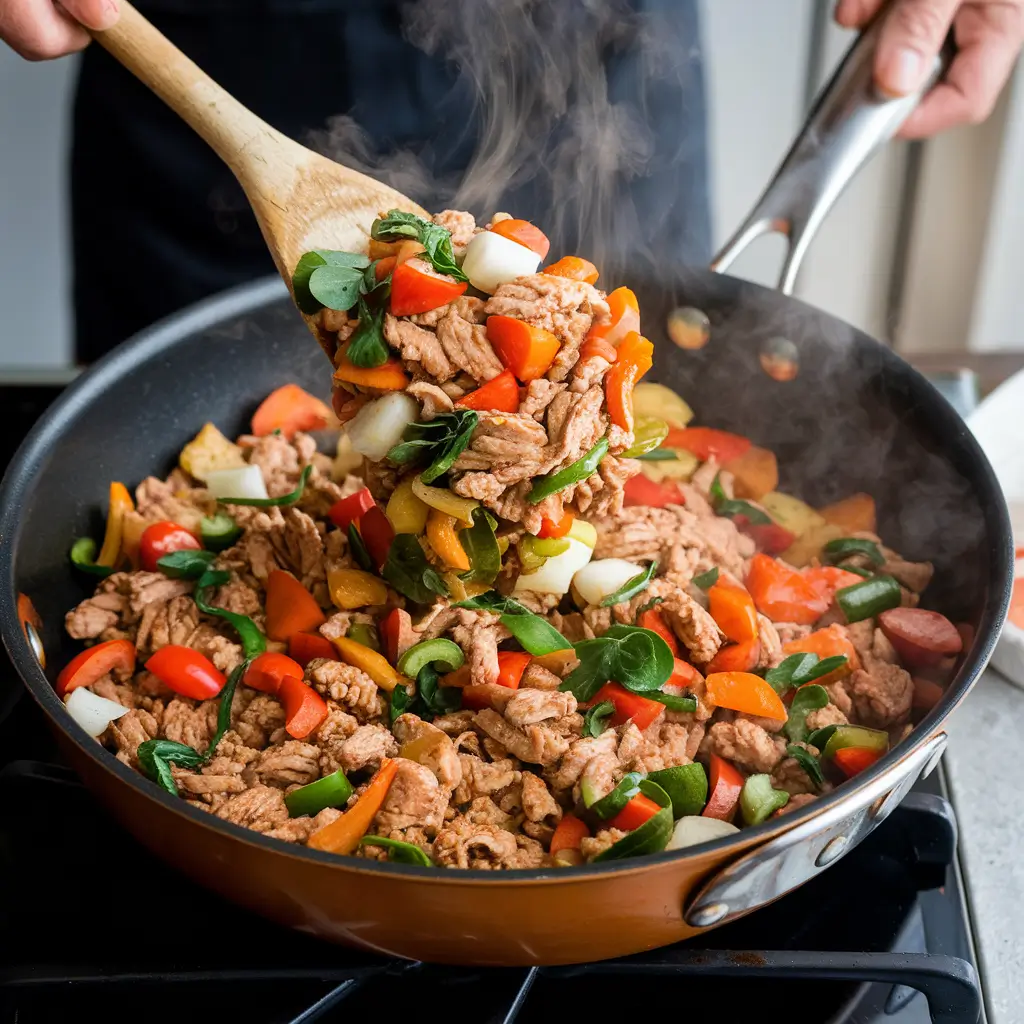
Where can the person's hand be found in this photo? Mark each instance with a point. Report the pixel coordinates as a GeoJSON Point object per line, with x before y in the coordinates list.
{"type": "Point", "coordinates": [42, 29]}
{"type": "Point", "coordinates": [988, 34]}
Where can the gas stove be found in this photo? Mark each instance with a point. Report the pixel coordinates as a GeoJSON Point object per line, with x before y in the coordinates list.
{"type": "Point", "coordinates": [92, 924]}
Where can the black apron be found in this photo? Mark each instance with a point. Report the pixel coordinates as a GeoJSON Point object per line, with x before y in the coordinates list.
{"type": "Point", "coordinates": [159, 222]}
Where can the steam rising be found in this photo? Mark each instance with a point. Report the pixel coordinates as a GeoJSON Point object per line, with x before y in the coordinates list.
{"type": "Point", "coordinates": [580, 108]}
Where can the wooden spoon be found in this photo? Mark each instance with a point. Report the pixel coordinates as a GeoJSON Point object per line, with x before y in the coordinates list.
{"type": "Point", "coordinates": [301, 199]}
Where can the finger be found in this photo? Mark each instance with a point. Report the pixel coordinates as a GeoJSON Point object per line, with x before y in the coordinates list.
{"type": "Point", "coordinates": [988, 44]}
{"type": "Point", "coordinates": [911, 36]}
{"type": "Point", "coordinates": [856, 13]}
{"type": "Point", "coordinates": [98, 15]}
{"type": "Point", "coordinates": [38, 31]}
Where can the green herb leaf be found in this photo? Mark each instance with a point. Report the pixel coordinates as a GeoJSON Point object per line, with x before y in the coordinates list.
{"type": "Point", "coordinates": [253, 641]}
{"type": "Point", "coordinates": [438, 443]}
{"type": "Point", "coordinates": [610, 804]}
{"type": "Point", "coordinates": [820, 737]}
{"type": "Point", "coordinates": [648, 605]}
{"type": "Point", "coordinates": [627, 655]}
{"type": "Point", "coordinates": [535, 634]}
{"type": "Point", "coordinates": [156, 756]}
{"type": "Point", "coordinates": [652, 836]}
{"type": "Point", "coordinates": [481, 547]}
{"type": "Point", "coordinates": [846, 547]}
{"type": "Point", "coordinates": [673, 701]}
{"type": "Point", "coordinates": [399, 703]}
{"type": "Point", "coordinates": [399, 851]}
{"type": "Point", "coordinates": [545, 486]}
{"type": "Point", "coordinates": [798, 669]}
{"type": "Point", "coordinates": [435, 239]}
{"type": "Point", "coordinates": [227, 696]}
{"type": "Point", "coordinates": [291, 498]}
{"type": "Point", "coordinates": [706, 580]}
{"type": "Point", "coordinates": [367, 346]}
{"type": "Point", "coordinates": [335, 287]}
{"type": "Point", "coordinates": [359, 552]}
{"type": "Point", "coordinates": [83, 556]}
{"type": "Point", "coordinates": [185, 565]}
{"type": "Point", "coordinates": [637, 585]}
{"type": "Point", "coordinates": [408, 571]}
{"type": "Point", "coordinates": [807, 699]}
{"type": "Point", "coordinates": [657, 455]}
{"type": "Point", "coordinates": [308, 265]}
{"type": "Point", "coordinates": [433, 698]}
{"type": "Point", "coordinates": [595, 721]}
{"type": "Point", "coordinates": [219, 531]}
{"type": "Point", "coordinates": [732, 507]}
{"type": "Point", "coordinates": [810, 764]}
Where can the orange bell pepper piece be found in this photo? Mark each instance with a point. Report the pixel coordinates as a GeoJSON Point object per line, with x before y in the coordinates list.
{"type": "Point", "coordinates": [569, 833]}
{"type": "Point", "coordinates": [304, 647]}
{"type": "Point", "coordinates": [291, 608]}
{"type": "Point", "coordinates": [855, 514]}
{"type": "Point", "coordinates": [525, 233]}
{"type": "Point", "coordinates": [743, 691]}
{"type": "Point", "coordinates": [500, 394]}
{"type": "Point", "coordinates": [304, 708]}
{"type": "Point", "coordinates": [343, 834]}
{"type": "Point", "coordinates": [120, 503]}
{"type": "Point", "coordinates": [416, 287]}
{"type": "Point", "coordinates": [641, 490]}
{"type": "Point", "coordinates": [652, 620]}
{"type": "Point", "coordinates": [94, 663]}
{"type": "Point", "coordinates": [782, 593]}
{"type": "Point", "coordinates": [640, 809]}
{"type": "Point", "coordinates": [706, 443]}
{"type": "Point", "coordinates": [389, 376]}
{"type": "Point", "coordinates": [574, 268]}
{"type": "Point", "coordinates": [826, 643]}
{"type": "Point", "coordinates": [755, 473]}
{"type": "Point", "coordinates": [636, 357]}
{"type": "Point", "coordinates": [511, 666]}
{"type": "Point", "coordinates": [290, 409]}
{"type": "Point", "coordinates": [624, 313]}
{"type": "Point", "coordinates": [827, 579]}
{"type": "Point", "coordinates": [853, 760]}
{"type": "Point", "coordinates": [445, 541]}
{"type": "Point", "coordinates": [598, 347]}
{"type": "Point", "coordinates": [526, 350]}
{"type": "Point", "coordinates": [724, 784]}
{"type": "Point", "coordinates": [736, 657]}
{"type": "Point", "coordinates": [733, 609]}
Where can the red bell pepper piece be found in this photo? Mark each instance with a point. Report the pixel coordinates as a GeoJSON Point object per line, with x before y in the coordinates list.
{"type": "Point", "coordinates": [304, 708]}
{"type": "Point", "coordinates": [640, 490]}
{"type": "Point", "coordinates": [852, 760]}
{"type": "Point", "coordinates": [499, 394]}
{"type": "Point", "coordinates": [511, 666]}
{"type": "Point", "coordinates": [629, 707]}
{"type": "Point", "coordinates": [389, 629]}
{"type": "Point", "coordinates": [416, 287]}
{"type": "Point", "coordinates": [349, 509]}
{"type": "Point", "coordinates": [569, 833]}
{"type": "Point", "coordinates": [377, 532]}
{"type": "Point", "coordinates": [266, 672]}
{"type": "Point", "coordinates": [640, 809]}
{"type": "Point", "coordinates": [707, 443]}
{"type": "Point", "coordinates": [186, 672]}
{"type": "Point", "coordinates": [304, 647]}
{"type": "Point", "coordinates": [725, 784]}
{"type": "Point", "coordinates": [551, 528]}
{"type": "Point", "coordinates": [161, 539]}
{"type": "Point", "coordinates": [94, 663]}
{"type": "Point", "coordinates": [652, 620]}
{"type": "Point", "coordinates": [684, 677]}
{"type": "Point", "coordinates": [290, 607]}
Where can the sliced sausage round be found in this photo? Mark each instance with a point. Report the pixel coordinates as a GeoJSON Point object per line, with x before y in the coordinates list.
{"type": "Point", "coordinates": [921, 637]}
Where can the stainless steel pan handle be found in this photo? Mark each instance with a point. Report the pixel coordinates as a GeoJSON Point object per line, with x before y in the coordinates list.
{"type": "Point", "coordinates": [848, 123]}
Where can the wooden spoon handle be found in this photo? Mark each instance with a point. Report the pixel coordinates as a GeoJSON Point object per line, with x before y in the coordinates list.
{"type": "Point", "coordinates": [247, 144]}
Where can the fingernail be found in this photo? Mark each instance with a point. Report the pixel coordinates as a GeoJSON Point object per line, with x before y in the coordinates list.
{"type": "Point", "coordinates": [111, 12]}
{"type": "Point", "coordinates": [904, 73]}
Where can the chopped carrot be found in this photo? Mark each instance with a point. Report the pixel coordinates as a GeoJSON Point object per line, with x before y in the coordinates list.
{"type": "Point", "coordinates": [742, 657]}
{"type": "Point", "coordinates": [755, 473]}
{"type": "Point", "coordinates": [826, 643]}
{"type": "Point", "coordinates": [304, 708]}
{"type": "Point", "coordinates": [733, 609]}
{"type": "Point", "coordinates": [291, 608]}
{"type": "Point", "coordinates": [500, 394]}
{"type": "Point", "coordinates": [652, 619]}
{"type": "Point", "coordinates": [853, 760]}
{"type": "Point", "coordinates": [569, 833]}
{"type": "Point", "coordinates": [555, 528]}
{"type": "Point", "coordinates": [827, 579]}
{"type": "Point", "coordinates": [416, 287]}
{"type": "Point", "coordinates": [782, 593]}
{"type": "Point", "coordinates": [639, 810]}
{"type": "Point", "coordinates": [526, 350]}
{"type": "Point", "coordinates": [574, 268]}
{"type": "Point", "coordinates": [624, 317]}
{"type": "Point", "coordinates": [706, 443]}
{"type": "Point", "coordinates": [525, 233]}
{"type": "Point", "coordinates": [389, 376]}
{"type": "Point", "coordinates": [343, 834]}
{"type": "Point", "coordinates": [724, 784]}
{"type": "Point", "coordinates": [445, 541]}
{"type": "Point", "coordinates": [743, 691]}
{"type": "Point", "coordinates": [636, 357]}
{"type": "Point", "coordinates": [511, 666]}
{"type": "Point", "coordinates": [290, 409]}
{"type": "Point", "coordinates": [855, 514]}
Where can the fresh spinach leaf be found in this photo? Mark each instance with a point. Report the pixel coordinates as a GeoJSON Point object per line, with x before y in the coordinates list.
{"type": "Point", "coordinates": [481, 547]}
{"type": "Point", "coordinates": [437, 240]}
{"type": "Point", "coordinates": [595, 721]}
{"type": "Point", "coordinates": [437, 699]}
{"type": "Point", "coordinates": [437, 443]}
{"type": "Point", "coordinates": [291, 498]}
{"type": "Point", "coordinates": [407, 570]}
{"type": "Point", "coordinates": [706, 580]}
{"type": "Point", "coordinates": [185, 565]}
{"type": "Point", "coordinates": [315, 260]}
{"type": "Point", "coordinates": [820, 737]}
{"type": "Point", "coordinates": [336, 287]}
{"type": "Point", "coordinates": [399, 703]}
{"type": "Point", "coordinates": [798, 669]}
{"type": "Point", "coordinates": [673, 701]}
{"type": "Point", "coordinates": [810, 764]}
{"type": "Point", "coordinates": [627, 655]}
{"type": "Point", "coordinates": [807, 699]}
{"type": "Point", "coordinates": [367, 347]}
{"type": "Point", "coordinates": [611, 803]}
{"type": "Point", "coordinates": [637, 585]}
{"type": "Point", "coordinates": [535, 634]}
{"type": "Point", "coordinates": [157, 756]}
{"type": "Point", "coordinates": [648, 605]}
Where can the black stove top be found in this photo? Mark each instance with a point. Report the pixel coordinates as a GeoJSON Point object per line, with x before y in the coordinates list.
{"type": "Point", "coordinates": [91, 924]}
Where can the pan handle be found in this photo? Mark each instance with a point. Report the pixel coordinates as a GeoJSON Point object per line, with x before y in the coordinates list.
{"type": "Point", "coordinates": [849, 122]}
{"type": "Point", "coordinates": [782, 864]}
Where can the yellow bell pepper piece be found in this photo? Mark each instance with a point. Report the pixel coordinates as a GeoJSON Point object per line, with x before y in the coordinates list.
{"type": "Point", "coordinates": [208, 451]}
{"type": "Point", "coordinates": [406, 512]}
{"type": "Point", "coordinates": [375, 665]}
{"type": "Point", "coordinates": [120, 502]}
{"type": "Point", "coordinates": [445, 501]}
{"type": "Point", "coordinates": [353, 588]}
{"type": "Point", "coordinates": [445, 541]}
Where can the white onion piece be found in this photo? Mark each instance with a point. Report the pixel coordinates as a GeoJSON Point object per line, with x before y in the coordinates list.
{"type": "Point", "coordinates": [379, 425]}
{"type": "Point", "coordinates": [555, 575]}
{"type": "Point", "coordinates": [92, 712]}
{"type": "Point", "coordinates": [492, 260]}
{"type": "Point", "coordinates": [244, 482]}
{"type": "Point", "coordinates": [594, 582]}
{"type": "Point", "coordinates": [693, 829]}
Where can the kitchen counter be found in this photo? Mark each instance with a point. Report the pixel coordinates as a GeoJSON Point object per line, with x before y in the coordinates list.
{"type": "Point", "coordinates": [983, 762]}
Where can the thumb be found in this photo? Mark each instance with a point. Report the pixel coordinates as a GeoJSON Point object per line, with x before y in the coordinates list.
{"type": "Point", "coordinates": [911, 37]}
{"type": "Point", "coordinates": [97, 15]}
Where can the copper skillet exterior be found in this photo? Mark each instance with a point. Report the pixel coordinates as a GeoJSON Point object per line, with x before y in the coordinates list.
{"type": "Point", "coordinates": [123, 420]}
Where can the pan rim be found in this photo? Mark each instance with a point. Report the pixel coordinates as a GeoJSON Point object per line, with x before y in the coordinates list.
{"type": "Point", "coordinates": [247, 298]}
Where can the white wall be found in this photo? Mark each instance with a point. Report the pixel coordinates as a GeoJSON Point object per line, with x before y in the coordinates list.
{"type": "Point", "coordinates": [35, 103]}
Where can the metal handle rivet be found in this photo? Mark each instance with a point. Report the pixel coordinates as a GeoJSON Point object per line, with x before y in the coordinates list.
{"type": "Point", "coordinates": [705, 917]}
{"type": "Point", "coordinates": [832, 850]}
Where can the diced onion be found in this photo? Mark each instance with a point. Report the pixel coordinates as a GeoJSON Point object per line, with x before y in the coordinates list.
{"type": "Point", "coordinates": [445, 501]}
{"type": "Point", "coordinates": [693, 829]}
{"type": "Point", "coordinates": [556, 574]}
{"type": "Point", "coordinates": [379, 425]}
{"type": "Point", "coordinates": [594, 582]}
{"type": "Point", "coordinates": [92, 712]}
{"type": "Point", "coordinates": [493, 260]}
{"type": "Point", "coordinates": [246, 482]}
